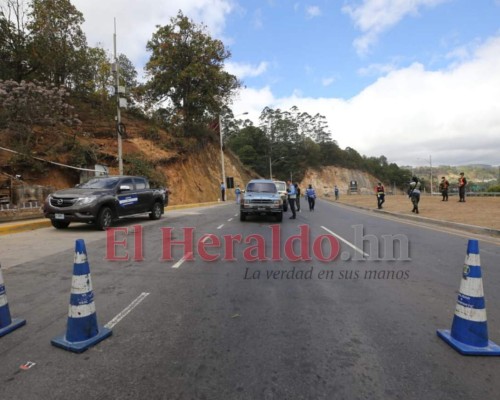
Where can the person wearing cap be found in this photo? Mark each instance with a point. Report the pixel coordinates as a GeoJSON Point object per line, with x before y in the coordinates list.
{"type": "Point", "coordinates": [443, 188]}
{"type": "Point", "coordinates": [380, 193]}
{"type": "Point", "coordinates": [462, 182]}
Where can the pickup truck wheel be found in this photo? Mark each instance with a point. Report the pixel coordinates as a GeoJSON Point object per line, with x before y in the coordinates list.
{"type": "Point", "coordinates": [156, 211]}
{"type": "Point", "coordinates": [279, 217]}
{"type": "Point", "coordinates": [104, 218]}
{"type": "Point", "coordinates": [242, 216]}
{"type": "Point", "coordinates": [59, 224]}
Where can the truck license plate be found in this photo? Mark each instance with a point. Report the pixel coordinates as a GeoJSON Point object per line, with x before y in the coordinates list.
{"type": "Point", "coordinates": [59, 216]}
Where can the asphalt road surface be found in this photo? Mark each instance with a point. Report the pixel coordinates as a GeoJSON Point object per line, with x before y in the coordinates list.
{"type": "Point", "coordinates": [362, 326]}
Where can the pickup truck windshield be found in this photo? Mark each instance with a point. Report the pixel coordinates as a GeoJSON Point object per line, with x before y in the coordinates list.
{"type": "Point", "coordinates": [261, 187]}
{"type": "Point", "coordinates": [107, 183]}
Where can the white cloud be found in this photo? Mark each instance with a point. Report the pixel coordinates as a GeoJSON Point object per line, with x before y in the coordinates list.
{"type": "Point", "coordinates": [412, 113]}
{"type": "Point", "coordinates": [136, 21]}
{"type": "Point", "coordinates": [376, 69]}
{"type": "Point", "coordinates": [313, 11]}
{"type": "Point", "coordinates": [327, 81]}
{"type": "Point", "coordinates": [373, 17]}
{"type": "Point", "coordinates": [253, 102]}
{"type": "Point", "coordinates": [242, 70]}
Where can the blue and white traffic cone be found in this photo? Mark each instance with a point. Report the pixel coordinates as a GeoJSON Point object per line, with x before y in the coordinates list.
{"type": "Point", "coordinates": [82, 330]}
{"type": "Point", "coordinates": [469, 330]}
{"type": "Point", "coordinates": [7, 324]}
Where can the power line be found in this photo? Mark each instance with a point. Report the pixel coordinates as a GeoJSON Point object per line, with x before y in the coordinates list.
{"type": "Point", "coordinates": [50, 162]}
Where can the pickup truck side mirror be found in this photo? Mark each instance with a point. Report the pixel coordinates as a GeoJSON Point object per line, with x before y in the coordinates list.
{"type": "Point", "coordinates": [124, 188]}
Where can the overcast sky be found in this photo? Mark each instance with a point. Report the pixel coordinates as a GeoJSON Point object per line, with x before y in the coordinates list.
{"type": "Point", "coordinates": [408, 79]}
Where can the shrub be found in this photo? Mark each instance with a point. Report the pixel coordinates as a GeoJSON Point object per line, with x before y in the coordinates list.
{"type": "Point", "coordinates": [136, 165]}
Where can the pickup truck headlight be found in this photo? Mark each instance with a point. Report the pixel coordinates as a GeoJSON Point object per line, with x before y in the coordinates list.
{"type": "Point", "coordinates": [85, 200]}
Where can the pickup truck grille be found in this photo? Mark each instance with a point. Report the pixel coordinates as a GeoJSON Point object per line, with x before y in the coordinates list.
{"type": "Point", "coordinates": [261, 201]}
{"type": "Point", "coordinates": [61, 202]}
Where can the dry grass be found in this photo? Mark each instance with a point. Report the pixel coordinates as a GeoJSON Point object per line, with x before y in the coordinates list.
{"type": "Point", "coordinates": [479, 211]}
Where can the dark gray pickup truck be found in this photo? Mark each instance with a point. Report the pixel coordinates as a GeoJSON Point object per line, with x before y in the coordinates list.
{"type": "Point", "coordinates": [102, 200]}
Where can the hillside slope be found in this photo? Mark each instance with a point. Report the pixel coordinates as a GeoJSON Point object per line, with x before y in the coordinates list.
{"type": "Point", "coordinates": [189, 167]}
{"type": "Point", "coordinates": [325, 179]}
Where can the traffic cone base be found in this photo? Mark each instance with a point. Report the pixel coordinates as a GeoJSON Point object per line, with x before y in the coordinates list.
{"type": "Point", "coordinates": [492, 349]}
{"type": "Point", "coordinates": [16, 323]}
{"type": "Point", "coordinates": [469, 329]}
{"type": "Point", "coordinates": [82, 329]}
{"type": "Point", "coordinates": [7, 323]}
{"type": "Point", "coordinates": [80, 347]}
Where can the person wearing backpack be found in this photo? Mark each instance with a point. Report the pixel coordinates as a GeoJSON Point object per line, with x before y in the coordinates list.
{"type": "Point", "coordinates": [414, 193]}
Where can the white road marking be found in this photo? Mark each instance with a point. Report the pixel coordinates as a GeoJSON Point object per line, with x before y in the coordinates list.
{"type": "Point", "coordinates": [229, 220]}
{"type": "Point", "coordinates": [126, 310]}
{"type": "Point", "coordinates": [188, 255]}
{"type": "Point", "coordinates": [179, 263]}
{"type": "Point", "coordinates": [220, 226]}
{"type": "Point", "coordinates": [346, 242]}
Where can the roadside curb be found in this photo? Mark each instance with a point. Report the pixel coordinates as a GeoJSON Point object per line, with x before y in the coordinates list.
{"type": "Point", "coordinates": [448, 224]}
{"type": "Point", "coordinates": [193, 205]}
{"type": "Point", "coordinates": [7, 228]}
{"type": "Point", "coordinates": [16, 227]}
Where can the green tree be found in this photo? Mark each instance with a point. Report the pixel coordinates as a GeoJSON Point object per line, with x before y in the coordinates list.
{"type": "Point", "coordinates": [251, 145]}
{"type": "Point", "coordinates": [98, 72]}
{"type": "Point", "coordinates": [186, 68]}
{"type": "Point", "coordinates": [14, 42]}
{"type": "Point", "coordinates": [59, 44]}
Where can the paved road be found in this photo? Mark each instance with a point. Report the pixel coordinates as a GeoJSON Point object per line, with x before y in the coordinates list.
{"type": "Point", "coordinates": [205, 330]}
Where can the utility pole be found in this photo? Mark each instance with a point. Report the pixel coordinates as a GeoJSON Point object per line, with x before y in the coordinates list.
{"type": "Point", "coordinates": [118, 114]}
{"type": "Point", "coordinates": [222, 152]}
{"type": "Point", "coordinates": [270, 150]}
{"type": "Point", "coordinates": [270, 168]}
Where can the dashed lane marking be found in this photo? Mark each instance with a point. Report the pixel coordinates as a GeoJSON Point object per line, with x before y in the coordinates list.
{"type": "Point", "coordinates": [346, 242]}
{"type": "Point", "coordinates": [126, 310]}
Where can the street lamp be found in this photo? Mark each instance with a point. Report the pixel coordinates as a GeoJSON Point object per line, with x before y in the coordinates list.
{"type": "Point", "coordinates": [222, 148]}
